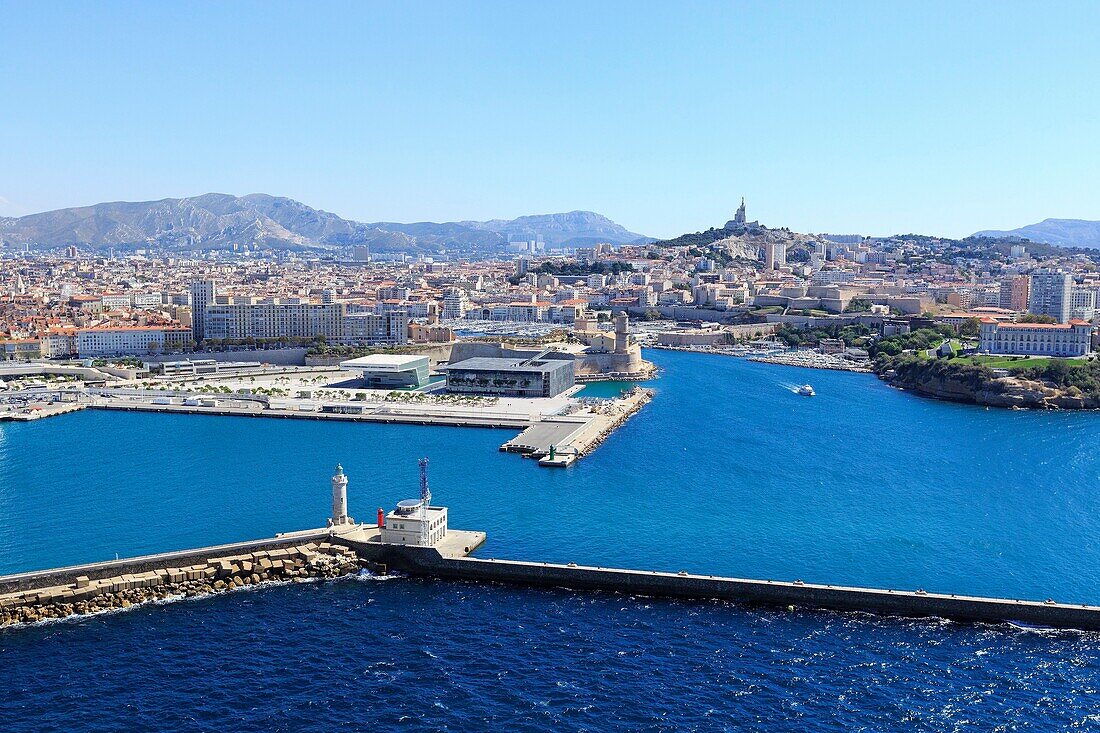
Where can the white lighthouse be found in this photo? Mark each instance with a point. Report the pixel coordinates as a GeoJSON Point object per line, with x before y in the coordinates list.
{"type": "Point", "coordinates": [339, 499]}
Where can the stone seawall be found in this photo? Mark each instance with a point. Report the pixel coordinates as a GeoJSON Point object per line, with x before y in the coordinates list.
{"type": "Point", "coordinates": [755, 592]}
{"type": "Point", "coordinates": [30, 597]}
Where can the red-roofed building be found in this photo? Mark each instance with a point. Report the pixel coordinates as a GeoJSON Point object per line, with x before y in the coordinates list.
{"type": "Point", "coordinates": [1035, 339]}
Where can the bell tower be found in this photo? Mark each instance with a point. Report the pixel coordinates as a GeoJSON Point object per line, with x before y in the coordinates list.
{"type": "Point", "coordinates": [739, 217]}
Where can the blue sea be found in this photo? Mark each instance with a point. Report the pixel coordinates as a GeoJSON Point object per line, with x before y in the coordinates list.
{"type": "Point", "coordinates": [727, 471]}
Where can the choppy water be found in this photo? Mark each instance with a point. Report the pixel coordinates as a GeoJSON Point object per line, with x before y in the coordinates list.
{"type": "Point", "coordinates": [725, 472]}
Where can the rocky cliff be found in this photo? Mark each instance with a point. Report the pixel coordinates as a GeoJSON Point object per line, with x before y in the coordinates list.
{"type": "Point", "coordinates": [1012, 392]}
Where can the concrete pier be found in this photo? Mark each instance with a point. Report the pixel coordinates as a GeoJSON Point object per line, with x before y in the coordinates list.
{"type": "Point", "coordinates": [454, 419]}
{"type": "Point", "coordinates": [573, 428]}
{"type": "Point", "coordinates": [40, 411]}
{"type": "Point", "coordinates": [576, 435]}
{"type": "Point", "coordinates": [337, 551]}
{"type": "Point", "coordinates": [422, 561]}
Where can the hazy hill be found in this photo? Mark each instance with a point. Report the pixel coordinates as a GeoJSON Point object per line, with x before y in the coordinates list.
{"type": "Point", "coordinates": [220, 221]}
{"type": "Point", "coordinates": [1063, 232]}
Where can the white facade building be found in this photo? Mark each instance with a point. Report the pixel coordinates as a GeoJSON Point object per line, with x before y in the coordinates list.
{"type": "Point", "coordinates": [272, 320]}
{"type": "Point", "coordinates": [1051, 294]}
{"type": "Point", "coordinates": [111, 301]}
{"type": "Point", "coordinates": [404, 525]}
{"type": "Point", "coordinates": [391, 327]}
{"type": "Point", "coordinates": [455, 304]}
{"type": "Point", "coordinates": [1083, 303]}
{"type": "Point", "coordinates": [117, 340]}
{"type": "Point", "coordinates": [147, 300]}
{"type": "Point", "coordinates": [1035, 339]}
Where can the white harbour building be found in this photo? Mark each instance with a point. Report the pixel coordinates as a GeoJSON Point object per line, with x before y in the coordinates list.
{"type": "Point", "coordinates": [411, 524]}
{"type": "Point", "coordinates": [415, 521]}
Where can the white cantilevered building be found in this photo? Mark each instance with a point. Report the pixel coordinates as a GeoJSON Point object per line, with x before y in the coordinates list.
{"type": "Point", "coordinates": [381, 371]}
{"type": "Point", "coordinates": [1035, 339]}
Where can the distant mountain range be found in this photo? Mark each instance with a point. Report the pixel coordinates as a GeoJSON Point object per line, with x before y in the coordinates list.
{"type": "Point", "coordinates": [221, 221]}
{"type": "Point", "coordinates": [1063, 232]}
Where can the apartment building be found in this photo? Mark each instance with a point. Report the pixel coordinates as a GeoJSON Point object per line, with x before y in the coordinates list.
{"type": "Point", "coordinates": [237, 321]}
{"type": "Point", "coordinates": [1050, 294]}
{"type": "Point", "coordinates": [118, 340]}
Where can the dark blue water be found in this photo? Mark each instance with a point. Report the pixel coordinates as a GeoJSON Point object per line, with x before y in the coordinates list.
{"type": "Point", "coordinates": [726, 471]}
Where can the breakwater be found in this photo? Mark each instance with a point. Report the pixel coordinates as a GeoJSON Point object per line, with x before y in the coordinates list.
{"type": "Point", "coordinates": [93, 588]}
{"type": "Point", "coordinates": [50, 594]}
{"type": "Point", "coordinates": [793, 594]}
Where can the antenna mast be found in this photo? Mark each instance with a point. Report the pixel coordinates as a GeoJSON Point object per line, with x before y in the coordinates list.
{"type": "Point", "coordinates": [425, 500]}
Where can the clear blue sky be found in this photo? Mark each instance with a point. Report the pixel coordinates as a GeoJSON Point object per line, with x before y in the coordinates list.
{"type": "Point", "coordinates": [874, 118]}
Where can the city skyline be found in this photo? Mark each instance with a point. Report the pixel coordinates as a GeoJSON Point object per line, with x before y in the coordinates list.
{"type": "Point", "coordinates": [879, 121]}
{"type": "Point", "coordinates": [754, 348]}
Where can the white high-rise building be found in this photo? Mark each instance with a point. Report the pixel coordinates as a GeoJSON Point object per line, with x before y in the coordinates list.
{"type": "Point", "coordinates": [1083, 303]}
{"type": "Point", "coordinates": [1051, 294]}
{"type": "Point", "coordinates": [203, 294]}
{"type": "Point", "coordinates": [775, 255]}
{"type": "Point", "coordinates": [455, 304]}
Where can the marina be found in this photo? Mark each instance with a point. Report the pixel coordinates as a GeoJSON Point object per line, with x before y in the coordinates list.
{"type": "Point", "coordinates": [775, 353]}
{"type": "Point", "coordinates": [808, 359]}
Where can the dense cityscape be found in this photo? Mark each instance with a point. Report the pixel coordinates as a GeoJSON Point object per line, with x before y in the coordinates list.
{"type": "Point", "coordinates": [740, 283]}
{"type": "Point", "coordinates": [596, 367]}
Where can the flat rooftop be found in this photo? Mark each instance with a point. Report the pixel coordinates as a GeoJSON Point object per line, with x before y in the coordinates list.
{"type": "Point", "coordinates": [385, 361]}
{"type": "Point", "coordinates": [486, 363]}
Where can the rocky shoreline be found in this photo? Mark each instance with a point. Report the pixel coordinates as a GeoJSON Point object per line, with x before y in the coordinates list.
{"type": "Point", "coordinates": [641, 397]}
{"type": "Point", "coordinates": [1004, 392]}
{"type": "Point", "coordinates": [216, 575]}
